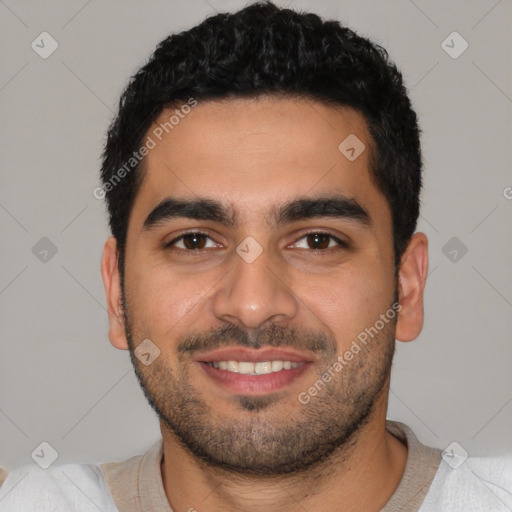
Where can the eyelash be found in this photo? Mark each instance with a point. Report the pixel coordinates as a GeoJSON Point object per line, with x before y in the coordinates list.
{"type": "Point", "coordinates": [341, 244]}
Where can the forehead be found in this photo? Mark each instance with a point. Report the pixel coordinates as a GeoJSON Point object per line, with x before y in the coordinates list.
{"type": "Point", "coordinates": [252, 154]}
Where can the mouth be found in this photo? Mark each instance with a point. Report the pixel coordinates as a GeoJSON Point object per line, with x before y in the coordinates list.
{"type": "Point", "coordinates": [249, 371]}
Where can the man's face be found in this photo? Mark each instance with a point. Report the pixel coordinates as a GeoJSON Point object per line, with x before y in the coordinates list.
{"type": "Point", "coordinates": [259, 284]}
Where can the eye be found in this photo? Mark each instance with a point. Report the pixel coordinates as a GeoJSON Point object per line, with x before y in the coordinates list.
{"type": "Point", "coordinates": [191, 241]}
{"type": "Point", "coordinates": [318, 240]}
{"type": "Point", "coordinates": [194, 241]}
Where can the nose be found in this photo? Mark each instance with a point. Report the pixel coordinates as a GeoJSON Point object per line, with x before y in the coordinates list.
{"type": "Point", "coordinates": [253, 294]}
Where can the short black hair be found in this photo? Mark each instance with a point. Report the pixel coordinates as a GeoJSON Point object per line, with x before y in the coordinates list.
{"type": "Point", "coordinates": [261, 50]}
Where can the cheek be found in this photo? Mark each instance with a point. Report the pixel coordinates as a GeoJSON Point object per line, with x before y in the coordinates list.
{"type": "Point", "coordinates": [163, 302]}
{"type": "Point", "coordinates": [349, 303]}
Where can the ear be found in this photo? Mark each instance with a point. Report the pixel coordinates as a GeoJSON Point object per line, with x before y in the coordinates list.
{"type": "Point", "coordinates": [112, 282]}
{"type": "Point", "coordinates": [412, 277]}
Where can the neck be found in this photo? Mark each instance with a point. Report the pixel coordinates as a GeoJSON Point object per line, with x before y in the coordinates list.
{"type": "Point", "coordinates": [362, 475]}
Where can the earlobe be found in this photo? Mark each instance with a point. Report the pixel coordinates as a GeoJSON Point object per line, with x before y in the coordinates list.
{"type": "Point", "coordinates": [412, 279]}
{"type": "Point", "coordinates": [112, 283]}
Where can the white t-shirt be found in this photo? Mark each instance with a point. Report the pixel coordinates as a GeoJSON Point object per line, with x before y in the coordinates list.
{"type": "Point", "coordinates": [429, 483]}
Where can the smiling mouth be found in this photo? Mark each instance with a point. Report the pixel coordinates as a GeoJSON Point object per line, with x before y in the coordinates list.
{"type": "Point", "coordinates": [244, 370]}
{"type": "Point", "coordinates": [254, 368]}
{"type": "Point", "coordinates": [253, 378]}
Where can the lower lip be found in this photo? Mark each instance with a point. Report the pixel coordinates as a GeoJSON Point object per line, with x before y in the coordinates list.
{"type": "Point", "coordinates": [254, 384]}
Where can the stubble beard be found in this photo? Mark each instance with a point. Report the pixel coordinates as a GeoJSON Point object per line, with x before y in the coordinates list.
{"type": "Point", "coordinates": [256, 441]}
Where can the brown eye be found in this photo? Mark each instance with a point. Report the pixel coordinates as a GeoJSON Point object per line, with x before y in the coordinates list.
{"type": "Point", "coordinates": [193, 241]}
{"type": "Point", "coordinates": [321, 241]}
{"type": "Point", "coordinates": [318, 241]}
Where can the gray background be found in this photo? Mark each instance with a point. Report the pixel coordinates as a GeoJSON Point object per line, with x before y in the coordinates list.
{"type": "Point", "coordinates": [60, 379]}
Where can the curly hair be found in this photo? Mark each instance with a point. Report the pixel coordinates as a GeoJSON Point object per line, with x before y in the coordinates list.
{"type": "Point", "coordinates": [264, 49]}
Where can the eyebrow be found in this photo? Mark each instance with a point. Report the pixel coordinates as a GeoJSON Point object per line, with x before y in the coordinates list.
{"type": "Point", "coordinates": [334, 206]}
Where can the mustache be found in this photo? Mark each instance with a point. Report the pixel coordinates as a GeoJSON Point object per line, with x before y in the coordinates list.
{"type": "Point", "coordinates": [274, 336]}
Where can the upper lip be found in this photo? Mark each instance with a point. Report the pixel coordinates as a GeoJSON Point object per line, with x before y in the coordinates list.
{"type": "Point", "coordinates": [254, 355]}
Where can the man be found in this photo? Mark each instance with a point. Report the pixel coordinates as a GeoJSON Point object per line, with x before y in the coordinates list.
{"type": "Point", "coordinates": [262, 179]}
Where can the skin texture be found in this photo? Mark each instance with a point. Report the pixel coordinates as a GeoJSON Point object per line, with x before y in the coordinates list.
{"type": "Point", "coordinates": [228, 451]}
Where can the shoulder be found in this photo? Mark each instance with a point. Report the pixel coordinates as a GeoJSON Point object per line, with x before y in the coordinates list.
{"type": "Point", "coordinates": [477, 484]}
{"type": "Point", "coordinates": [60, 488]}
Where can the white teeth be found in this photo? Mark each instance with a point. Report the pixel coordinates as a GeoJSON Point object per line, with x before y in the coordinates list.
{"type": "Point", "coordinates": [232, 366]}
{"type": "Point", "coordinates": [245, 368]}
{"type": "Point", "coordinates": [250, 368]}
{"type": "Point", "coordinates": [263, 367]}
{"type": "Point", "coordinates": [277, 366]}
